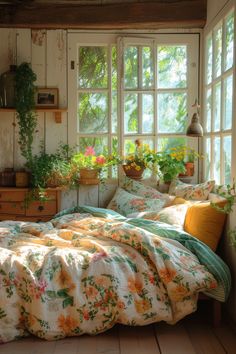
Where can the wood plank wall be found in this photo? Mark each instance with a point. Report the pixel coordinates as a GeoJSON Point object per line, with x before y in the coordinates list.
{"type": "Point", "coordinates": [47, 51]}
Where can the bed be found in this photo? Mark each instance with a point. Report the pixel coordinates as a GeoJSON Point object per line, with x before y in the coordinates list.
{"type": "Point", "coordinates": [90, 268]}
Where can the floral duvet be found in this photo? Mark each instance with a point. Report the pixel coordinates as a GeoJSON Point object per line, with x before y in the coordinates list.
{"type": "Point", "coordinates": [85, 271]}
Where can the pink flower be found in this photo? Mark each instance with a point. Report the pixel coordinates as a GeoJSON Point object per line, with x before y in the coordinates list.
{"type": "Point", "coordinates": [89, 151]}
{"type": "Point", "coordinates": [100, 160]}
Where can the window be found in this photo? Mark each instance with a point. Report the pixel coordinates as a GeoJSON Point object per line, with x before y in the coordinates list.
{"type": "Point", "coordinates": [124, 88]}
{"type": "Point", "coordinates": [218, 92]}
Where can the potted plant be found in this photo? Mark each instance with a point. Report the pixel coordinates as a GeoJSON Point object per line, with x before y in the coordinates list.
{"type": "Point", "coordinates": [170, 165]}
{"type": "Point", "coordinates": [91, 166]}
{"type": "Point", "coordinates": [188, 156]}
{"type": "Point", "coordinates": [135, 164]}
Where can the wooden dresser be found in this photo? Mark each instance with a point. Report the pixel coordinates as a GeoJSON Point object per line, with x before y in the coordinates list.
{"type": "Point", "coordinates": [16, 204]}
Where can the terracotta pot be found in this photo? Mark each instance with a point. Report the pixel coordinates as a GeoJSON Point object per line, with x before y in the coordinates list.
{"type": "Point", "coordinates": [131, 172]}
{"type": "Point", "coordinates": [189, 166]}
{"type": "Point", "coordinates": [88, 176]}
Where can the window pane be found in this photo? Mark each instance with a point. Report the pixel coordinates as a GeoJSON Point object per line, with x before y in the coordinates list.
{"type": "Point", "coordinates": [167, 143]}
{"type": "Point", "coordinates": [114, 68]}
{"type": "Point", "coordinates": [229, 50]}
{"type": "Point", "coordinates": [147, 114]}
{"type": "Point", "coordinates": [207, 159]}
{"type": "Point", "coordinates": [228, 102]}
{"type": "Point", "coordinates": [114, 112]}
{"type": "Point", "coordinates": [100, 144]}
{"type": "Point", "coordinates": [227, 159]}
{"type": "Point", "coordinates": [114, 169]}
{"type": "Point", "coordinates": [217, 160]}
{"type": "Point", "coordinates": [208, 110]}
{"type": "Point", "coordinates": [131, 67]}
{"type": "Point", "coordinates": [209, 59]}
{"type": "Point", "coordinates": [172, 112]}
{"type": "Point", "coordinates": [147, 71]}
{"type": "Point", "coordinates": [131, 113]}
{"type": "Point", "coordinates": [93, 112]}
{"type": "Point", "coordinates": [218, 51]}
{"type": "Point", "coordinates": [217, 107]}
{"type": "Point", "coordinates": [172, 59]}
{"type": "Point", "coordinates": [93, 67]}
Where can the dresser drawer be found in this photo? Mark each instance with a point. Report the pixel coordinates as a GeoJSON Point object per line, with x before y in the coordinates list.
{"type": "Point", "coordinates": [16, 196]}
{"type": "Point", "coordinates": [15, 208]}
{"type": "Point", "coordinates": [42, 208]}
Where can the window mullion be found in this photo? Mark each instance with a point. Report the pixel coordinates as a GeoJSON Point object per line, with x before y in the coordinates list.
{"type": "Point", "coordinates": [155, 94]}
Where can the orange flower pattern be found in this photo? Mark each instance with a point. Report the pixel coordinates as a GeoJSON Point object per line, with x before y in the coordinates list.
{"type": "Point", "coordinates": [58, 281]}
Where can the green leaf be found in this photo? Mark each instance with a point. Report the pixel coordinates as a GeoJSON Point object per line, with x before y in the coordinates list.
{"type": "Point", "coordinates": [69, 301]}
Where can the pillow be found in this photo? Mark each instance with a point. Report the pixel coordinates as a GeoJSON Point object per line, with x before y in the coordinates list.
{"type": "Point", "coordinates": [173, 215]}
{"type": "Point", "coordinates": [205, 223]}
{"type": "Point", "coordinates": [190, 191]}
{"type": "Point", "coordinates": [126, 203]}
{"type": "Point", "coordinates": [142, 190]}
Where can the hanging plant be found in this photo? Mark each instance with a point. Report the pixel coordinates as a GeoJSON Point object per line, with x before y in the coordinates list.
{"type": "Point", "coordinates": [25, 108]}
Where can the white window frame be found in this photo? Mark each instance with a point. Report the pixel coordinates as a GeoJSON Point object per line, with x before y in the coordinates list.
{"type": "Point", "coordinates": [189, 39]}
{"type": "Point", "coordinates": [221, 133]}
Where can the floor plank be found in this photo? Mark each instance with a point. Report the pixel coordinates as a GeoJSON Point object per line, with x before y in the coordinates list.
{"type": "Point", "coordinates": [203, 339]}
{"type": "Point", "coordinates": [173, 339]}
{"type": "Point", "coordinates": [226, 337]}
{"type": "Point", "coordinates": [138, 340]}
{"type": "Point", "coordinates": [66, 346]}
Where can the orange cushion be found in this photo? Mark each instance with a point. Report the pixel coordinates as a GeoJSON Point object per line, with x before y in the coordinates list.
{"type": "Point", "coordinates": [205, 223]}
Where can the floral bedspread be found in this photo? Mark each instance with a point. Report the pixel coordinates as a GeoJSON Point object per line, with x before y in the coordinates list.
{"type": "Point", "coordinates": [82, 274]}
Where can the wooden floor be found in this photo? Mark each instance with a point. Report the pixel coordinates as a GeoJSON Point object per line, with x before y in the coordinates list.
{"type": "Point", "coordinates": [193, 335]}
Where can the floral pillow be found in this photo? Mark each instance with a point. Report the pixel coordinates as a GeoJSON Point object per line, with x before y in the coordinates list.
{"type": "Point", "coordinates": [190, 191]}
{"type": "Point", "coordinates": [142, 190]}
{"type": "Point", "coordinates": [126, 203]}
{"type": "Point", "coordinates": [173, 215]}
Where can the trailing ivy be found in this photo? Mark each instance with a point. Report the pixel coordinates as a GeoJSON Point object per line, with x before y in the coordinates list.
{"type": "Point", "coordinates": [25, 108]}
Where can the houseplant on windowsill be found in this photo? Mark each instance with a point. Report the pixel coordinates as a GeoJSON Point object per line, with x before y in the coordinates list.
{"type": "Point", "coordinates": [135, 164]}
{"type": "Point", "coordinates": [169, 165]}
{"type": "Point", "coordinates": [91, 166]}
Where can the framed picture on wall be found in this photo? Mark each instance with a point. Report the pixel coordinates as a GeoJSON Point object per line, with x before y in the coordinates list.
{"type": "Point", "coordinates": [46, 97]}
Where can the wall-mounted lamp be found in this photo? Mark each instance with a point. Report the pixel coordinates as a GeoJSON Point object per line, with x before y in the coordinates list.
{"type": "Point", "coordinates": [195, 128]}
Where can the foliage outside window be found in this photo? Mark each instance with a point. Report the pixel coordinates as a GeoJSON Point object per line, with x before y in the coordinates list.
{"type": "Point", "coordinates": [143, 95]}
{"type": "Point", "coordinates": [218, 94]}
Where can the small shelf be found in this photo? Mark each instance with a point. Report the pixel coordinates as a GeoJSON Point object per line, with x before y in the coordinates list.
{"type": "Point", "coordinates": [57, 111]}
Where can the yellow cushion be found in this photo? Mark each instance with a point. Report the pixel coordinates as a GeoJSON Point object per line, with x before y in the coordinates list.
{"type": "Point", "coordinates": [205, 223]}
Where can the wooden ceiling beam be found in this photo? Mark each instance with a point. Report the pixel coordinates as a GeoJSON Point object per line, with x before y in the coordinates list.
{"type": "Point", "coordinates": [147, 15]}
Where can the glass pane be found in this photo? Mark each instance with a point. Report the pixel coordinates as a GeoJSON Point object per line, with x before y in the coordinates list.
{"type": "Point", "coordinates": [172, 112]}
{"type": "Point", "coordinates": [114, 112]}
{"type": "Point", "coordinates": [131, 113]}
{"type": "Point", "coordinates": [229, 43]}
{"type": "Point", "coordinates": [217, 107]}
{"type": "Point", "coordinates": [114, 169]}
{"type": "Point", "coordinates": [228, 102]}
{"type": "Point", "coordinates": [93, 67]}
{"type": "Point", "coordinates": [93, 112]}
{"type": "Point", "coordinates": [207, 159]}
{"type": "Point", "coordinates": [114, 68]}
{"type": "Point", "coordinates": [227, 159]}
{"type": "Point", "coordinates": [209, 59]}
{"type": "Point", "coordinates": [172, 66]}
{"type": "Point", "coordinates": [100, 144]}
{"type": "Point", "coordinates": [148, 113]}
{"type": "Point", "coordinates": [147, 69]}
{"type": "Point", "coordinates": [208, 111]}
{"type": "Point", "coordinates": [217, 160]}
{"type": "Point", "coordinates": [167, 143]}
{"type": "Point", "coordinates": [218, 51]}
{"type": "Point", "coordinates": [131, 67]}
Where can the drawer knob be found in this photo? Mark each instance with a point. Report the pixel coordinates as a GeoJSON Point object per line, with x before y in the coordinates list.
{"type": "Point", "coordinates": [41, 208]}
